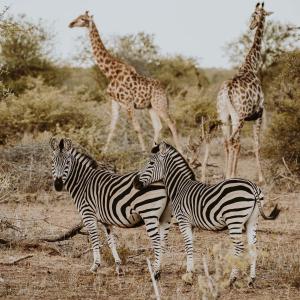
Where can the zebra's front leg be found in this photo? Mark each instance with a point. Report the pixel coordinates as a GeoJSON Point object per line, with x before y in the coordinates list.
{"type": "Point", "coordinates": [186, 230]}
{"type": "Point", "coordinates": [164, 227]}
{"type": "Point", "coordinates": [112, 245]}
{"type": "Point", "coordinates": [91, 226]}
{"type": "Point", "coordinates": [153, 233]}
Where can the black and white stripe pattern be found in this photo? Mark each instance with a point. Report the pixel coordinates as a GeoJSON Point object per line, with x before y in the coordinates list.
{"type": "Point", "coordinates": [101, 195]}
{"type": "Point", "coordinates": [233, 203]}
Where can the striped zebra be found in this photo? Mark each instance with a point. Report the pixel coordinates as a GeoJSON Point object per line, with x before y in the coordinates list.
{"type": "Point", "coordinates": [102, 196]}
{"type": "Point", "coordinates": [233, 203]}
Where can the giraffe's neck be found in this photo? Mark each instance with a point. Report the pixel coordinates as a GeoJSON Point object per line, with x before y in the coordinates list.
{"type": "Point", "coordinates": [105, 61]}
{"type": "Point", "coordinates": [253, 58]}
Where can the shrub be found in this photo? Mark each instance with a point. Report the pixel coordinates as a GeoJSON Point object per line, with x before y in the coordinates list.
{"type": "Point", "coordinates": [283, 93]}
{"type": "Point", "coordinates": [44, 108]}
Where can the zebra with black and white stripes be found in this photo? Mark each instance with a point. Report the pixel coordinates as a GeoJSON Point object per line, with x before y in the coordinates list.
{"type": "Point", "coordinates": [233, 203]}
{"type": "Point", "coordinates": [102, 196]}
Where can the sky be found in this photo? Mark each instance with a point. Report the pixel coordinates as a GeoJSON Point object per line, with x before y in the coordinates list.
{"type": "Point", "coordinates": [193, 28]}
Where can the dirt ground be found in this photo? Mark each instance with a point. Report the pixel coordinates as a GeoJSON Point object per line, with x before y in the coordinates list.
{"type": "Point", "coordinates": [61, 270]}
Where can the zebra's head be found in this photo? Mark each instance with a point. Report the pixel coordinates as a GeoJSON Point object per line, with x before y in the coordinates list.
{"type": "Point", "coordinates": [154, 169]}
{"type": "Point", "coordinates": [61, 161]}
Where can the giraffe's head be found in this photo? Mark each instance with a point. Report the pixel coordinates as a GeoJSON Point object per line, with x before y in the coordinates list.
{"type": "Point", "coordinates": [82, 20]}
{"type": "Point", "coordinates": [259, 14]}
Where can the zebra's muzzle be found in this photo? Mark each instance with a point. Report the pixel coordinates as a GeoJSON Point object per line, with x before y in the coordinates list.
{"type": "Point", "coordinates": [137, 183]}
{"type": "Point", "coordinates": [58, 184]}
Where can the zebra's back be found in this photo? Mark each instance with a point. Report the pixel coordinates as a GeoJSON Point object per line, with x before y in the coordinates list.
{"type": "Point", "coordinates": [116, 202]}
{"type": "Point", "coordinates": [217, 206]}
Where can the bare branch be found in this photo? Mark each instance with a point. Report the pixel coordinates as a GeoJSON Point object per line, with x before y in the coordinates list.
{"type": "Point", "coordinates": [66, 235]}
{"type": "Point", "coordinates": [16, 260]}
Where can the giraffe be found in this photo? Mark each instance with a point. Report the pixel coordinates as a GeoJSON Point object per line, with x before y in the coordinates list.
{"type": "Point", "coordinates": [241, 99]}
{"type": "Point", "coordinates": [128, 89]}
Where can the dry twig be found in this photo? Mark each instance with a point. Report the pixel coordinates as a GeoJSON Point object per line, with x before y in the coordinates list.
{"type": "Point", "coordinates": [154, 283]}
{"type": "Point", "coordinates": [16, 260]}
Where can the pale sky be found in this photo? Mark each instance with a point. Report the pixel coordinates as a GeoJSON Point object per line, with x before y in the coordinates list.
{"type": "Point", "coordinates": [193, 28]}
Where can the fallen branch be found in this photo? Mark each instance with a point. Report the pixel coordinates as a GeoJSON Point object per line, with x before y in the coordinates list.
{"type": "Point", "coordinates": [9, 225]}
{"type": "Point", "coordinates": [28, 244]}
{"type": "Point", "coordinates": [289, 178]}
{"type": "Point", "coordinates": [66, 235]}
{"type": "Point", "coordinates": [16, 260]}
{"type": "Point", "coordinates": [286, 166]}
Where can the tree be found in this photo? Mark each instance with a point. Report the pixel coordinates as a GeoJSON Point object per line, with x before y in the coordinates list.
{"type": "Point", "coordinates": [25, 51]}
{"type": "Point", "coordinates": [282, 88]}
{"type": "Point", "coordinates": [278, 38]}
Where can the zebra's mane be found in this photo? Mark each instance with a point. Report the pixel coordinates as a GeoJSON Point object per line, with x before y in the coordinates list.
{"type": "Point", "coordinates": [156, 149]}
{"type": "Point", "coordinates": [92, 163]}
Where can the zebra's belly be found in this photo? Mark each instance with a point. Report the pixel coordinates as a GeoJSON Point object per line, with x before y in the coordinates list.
{"type": "Point", "coordinates": [215, 225]}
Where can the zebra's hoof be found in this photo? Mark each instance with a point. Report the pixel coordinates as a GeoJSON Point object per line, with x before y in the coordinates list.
{"type": "Point", "coordinates": [94, 268]}
{"type": "Point", "coordinates": [251, 282]}
{"type": "Point", "coordinates": [188, 277]}
{"type": "Point", "coordinates": [157, 275]}
{"type": "Point", "coordinates": [231, 282]}
{"type": "Point", "coordinates": [119, 270]}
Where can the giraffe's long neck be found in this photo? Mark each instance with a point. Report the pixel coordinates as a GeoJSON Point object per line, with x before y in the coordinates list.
{"type": "Point", "coordinates": [105, 61]}
{"type": "Point", "coordinates": [253, 58]}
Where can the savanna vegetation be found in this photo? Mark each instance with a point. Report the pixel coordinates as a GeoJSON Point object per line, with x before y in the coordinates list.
{"type": "Point", "coordinates": [41, 96]}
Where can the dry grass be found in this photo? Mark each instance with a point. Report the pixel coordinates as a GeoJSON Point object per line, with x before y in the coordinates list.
{"type": "Point", "coordinates": [61, 270]}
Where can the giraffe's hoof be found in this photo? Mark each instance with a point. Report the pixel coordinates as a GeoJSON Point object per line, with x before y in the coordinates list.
{"type": "Point", "coordinates": [94, 268]}
{"type": "Point", "coordinates": [119, 270]}
{"type": "Point", "coordinates": [188, 277]}
{"type": "Point", "coordinates": [231, 282]}
{"type": "Point", "coordinates": [251, 282]}
{"type": "Point", "coordinates": [157, 275]}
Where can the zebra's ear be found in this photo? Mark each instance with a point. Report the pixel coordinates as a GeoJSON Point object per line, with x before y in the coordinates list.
{"type": "Point", "coordinates": [61, 144]}
{"type": "Point", "coordinates": [155, 149]}
{"type": "Point", "coordinates": [162, 148]}
{"type": "Point", "coordinates": [68, 144]}
{"type": "Point", "coordinates": [53, 143]}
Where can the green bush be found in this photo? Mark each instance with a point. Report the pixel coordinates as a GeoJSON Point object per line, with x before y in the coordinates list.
{"type": "Point", "coordinates": [25, 51]}
{"type": "Point", "coordinates": [44, 108]}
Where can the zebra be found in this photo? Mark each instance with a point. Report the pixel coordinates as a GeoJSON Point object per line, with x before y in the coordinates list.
{"type": "Point", "coordinates": [234, 203]}
{"type": "Point", "coordinates": [102, 196]}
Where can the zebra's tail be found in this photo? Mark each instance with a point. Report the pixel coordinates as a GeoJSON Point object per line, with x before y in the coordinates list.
{"type": "Point", "coordinates": [274, 213]}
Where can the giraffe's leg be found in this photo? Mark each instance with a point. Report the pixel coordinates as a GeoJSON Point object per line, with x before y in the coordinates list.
{"type": "Point", "coordinates": [256, 134]}
{"type": "Point", "coordinates": [251, 227]}
{"type": "Point", "coordinates": [236, 151]}
{"type": "Point", "coordinates": [226, 133]}
{"type": "Point", "coordinates": [171, 124]}
{"type": "Point", "coordinates": [152, 225]}
{"type": "Point", "coordinates": [115, 109]}
{"type": "Point", "coordinates": [204, 162]}
{"type": "Point", "coordinates": [136, 126]}
{"type": "Point", "coordinates": [156, 123]}
{"type": "Point", "coordinates": [235, 145]}
{"type": "Point", "coordinates": [235, 233]}
{"type": "Point", "coordinates": [112, 245]}
{"type": "Point", "coordinates": [91, 226]}
{"type": "Point", "coordinates": [164, 226]}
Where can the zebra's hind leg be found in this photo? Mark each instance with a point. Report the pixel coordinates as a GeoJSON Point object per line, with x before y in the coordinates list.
{"type": "Point", "coordinates": [164, 227]}
{"type": "Point", "coordinates": [251, 227]}
{"type": "Point", "coordinates": [152, 224]}
{"type": "Point", "coordinates": [235, 231]}
{"type": "Point", "coordinates": [186, 230]}
{"type": "Point", "coordinates": [91, 225]}
{"type": "Point", "coordinates": [112, 245]}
